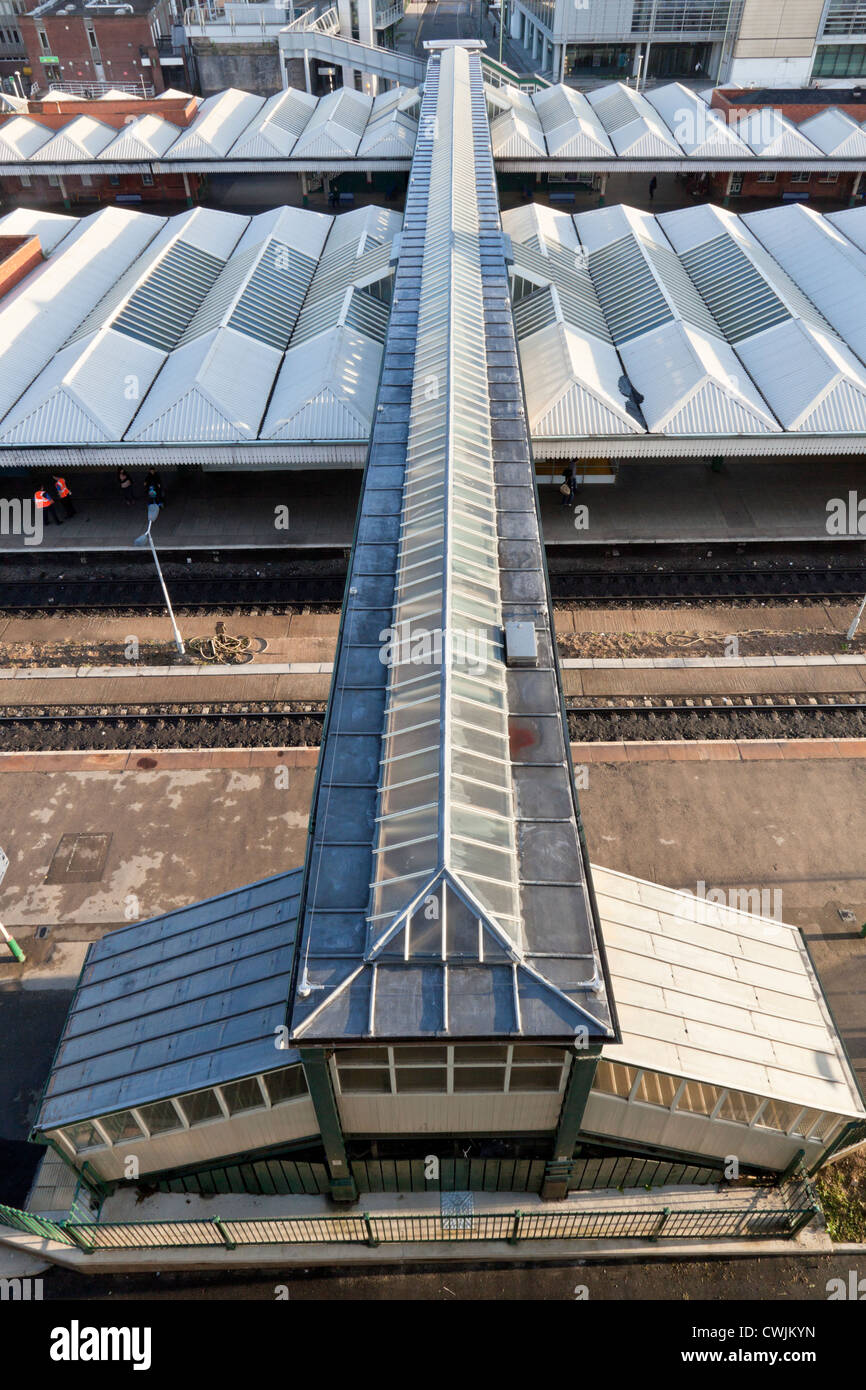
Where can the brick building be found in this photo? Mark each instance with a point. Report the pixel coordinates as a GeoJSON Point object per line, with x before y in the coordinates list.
{"type": "Point", "coordinates": [93, 45]}
{"type": "Point", "coordinates": [85, 128]}
{"type": "Point", "coordinates": [833, 119]}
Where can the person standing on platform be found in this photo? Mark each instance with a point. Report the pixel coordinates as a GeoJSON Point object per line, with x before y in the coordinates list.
{"type": "Point", "coordinates": [654, 183]}
{"type": "Point", "coordinates": [44, 499]}
{"type": "Point", "coordinates": [61, 491]}
{"type": "Point", "coordinates": [126, 489]}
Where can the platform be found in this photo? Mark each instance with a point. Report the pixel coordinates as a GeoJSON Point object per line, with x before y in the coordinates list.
{"type": "Point", "coordinates": [749, 500]}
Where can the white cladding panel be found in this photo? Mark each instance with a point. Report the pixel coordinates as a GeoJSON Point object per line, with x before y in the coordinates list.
{"type": "Point", "coordinates": [256, 1129]}
{"type": "Point", "coordinates": [443, 1114]}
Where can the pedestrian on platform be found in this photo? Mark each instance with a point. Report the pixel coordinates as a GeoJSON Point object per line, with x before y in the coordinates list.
{"type": "Point", "coordinates": [125, 486]}
{"type": "Point", "coordinates": [44, 499]}
{"type": "Point", "coordinates": [153, 487]}
{"type": "Point", "coordinates": [566, 487]}
{"type": "Point", "coordinates": [61, 491]}
{"type": "Point", "coordinates": [654, 183]}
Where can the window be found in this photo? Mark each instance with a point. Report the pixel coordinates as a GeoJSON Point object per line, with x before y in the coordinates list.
{"type": "Point", "coordinates": [53, 180]}
{"type": "Point", "coordinates": [826, 1129]}
{"type": "Point", "coordinates": [84, 1136]}
{"type": "Point", "coordinates": [243, 1095]}
{"type": "Point", "coordinates": [200, 1107]}
{"type": "Point", "coordinates": [160, 1117]}
{"type": "Point", "coordinates": [801, 176]}
{"type": "Point", "coordinates": [147, 180]}
{"type": "Point", "coordinates": [778, 1114]}
{"type": "Point", "coordinates": [437, 1069]}
{"type": "Point", "coordinates": [87, 180]}
{"type": "Point", "coordinates": [840, 60]}
{"type": "Point", "coordinates": [739, 1107]}
{"type": "Point", "coordinates": [657, 1089]}
{"type": "Point", "coordinates": [121, 1127]}
{"type": "Point", "coordinates": [43, 40]}
{"type": "Point", "coordinates": [829, 178]}
{"type": "Point", "coordinates": [114, 180]}
{"type": "Point", "coordinates": [699, 1098]}
{"type": "Point", "coordinates": [766, 178]}
{"type": "Point", "coordinates": [24, 180]}
{"type": "Point", "coordinates": [614, 1079]}
{"type": "Point", "coordinates": [287, 1084]}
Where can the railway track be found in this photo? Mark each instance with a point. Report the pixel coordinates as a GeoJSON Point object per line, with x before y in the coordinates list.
{"type": "Point", "coordinates": [235, 594]}
{"type": "Point", "coordinates": [134, 728]}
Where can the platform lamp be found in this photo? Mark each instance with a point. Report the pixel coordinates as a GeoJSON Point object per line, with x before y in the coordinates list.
{"type": "Point", "coordinates": [10, 940]}
{"type": "Point", "coordinates": [147, 538]}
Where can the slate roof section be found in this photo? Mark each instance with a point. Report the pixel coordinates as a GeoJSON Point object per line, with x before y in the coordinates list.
{"type": "Point", "coordinates": [179, 1002]}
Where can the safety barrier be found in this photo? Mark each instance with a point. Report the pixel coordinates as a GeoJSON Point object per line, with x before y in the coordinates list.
{"type": "Point", "coordinates": [648, 1223]}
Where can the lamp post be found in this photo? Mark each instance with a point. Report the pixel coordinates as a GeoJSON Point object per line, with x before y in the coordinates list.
{"type": "Point", "coordinates": [503, 6]}
{"type": "Point", "coordinates": [10, 940]}
{"type": "Point", "coordinates": [152, 514]}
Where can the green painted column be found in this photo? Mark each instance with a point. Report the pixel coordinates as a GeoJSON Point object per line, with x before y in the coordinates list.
{"type": "Point", "coordinates": [555, 1186]}
{"type": "Point", "coordinates": [317, 1072]}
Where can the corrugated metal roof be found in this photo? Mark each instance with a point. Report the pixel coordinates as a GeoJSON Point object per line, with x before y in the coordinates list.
{"type": "Point", "coordinates": [147, 137]}
{"type": "Point", "coordinates": [836, 133]}
{"type": "Point", "coordinates": [336, 126]}
{"type": "Point", "coordinates": [326, 388]}
{"type": "Point", "coordinates": [391, 136]}
{"type": "Point", "coordinates": [852, 224]}
{"type": "Point", "coordinates": [822, 262]}
{"type": "Point", "coordinates": [51, 227]}
{"type": "Point", "coordinates": [39, 314]}
{"type": "Point", "coordinates": [719, 995]}
{"type": "Point", "coordinates": [699, 130]}
{"type": "Point", "coordinates": [274, 131]}
{"type": "Point", "coordinates": [21, 138]}
{"type": "Point", "coordinates": [571, 126]}
{"type": "Point", "coordinates": [190, 999]}
{"type": "Point", "coordinates": [220, 122]}
{"type": "Point", "coordinates": [769, 133]}
{"type": "Point", "coordinates": [82, 139]}
{"type": "Point", "coordinates": [634, 127]}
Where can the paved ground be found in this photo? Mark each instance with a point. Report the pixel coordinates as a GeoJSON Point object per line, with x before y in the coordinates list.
{"type": "Point", "coordinates": [749, 499]}
{"type": "Point", "coordinates": [772, 1278]}
{"type": "Point", "coordinates": [198, 824]}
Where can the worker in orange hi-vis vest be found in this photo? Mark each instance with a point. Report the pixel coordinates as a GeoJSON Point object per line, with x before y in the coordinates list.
{"type": "Point", "coordinates": [61, 490]}
{"type": "Point", "coordinates": [45, 503]}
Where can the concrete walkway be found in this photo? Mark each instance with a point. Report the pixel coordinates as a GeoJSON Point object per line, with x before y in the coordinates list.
{"type": "Point", "coordinates": [749, 500]}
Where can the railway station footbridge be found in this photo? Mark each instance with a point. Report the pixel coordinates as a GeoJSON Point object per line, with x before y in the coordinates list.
{"type": "Point", "coordinates": [446, 963]}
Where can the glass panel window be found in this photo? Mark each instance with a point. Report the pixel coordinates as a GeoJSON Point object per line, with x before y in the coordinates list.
{"type": "Point", "coordinates": [766, 178]}
{"type": "Point", "coordinates": [420, 1056]}
{"type": "Point", "coordinates": [479, 1052]}
{"type": "Point", "coordinates": [535, 1078]}
{"type": "Point", "coordinates": [479, 1078]}
{"type": "Point", "coordinates": [422, 1078]}
{"type": "Point", "coordinates": [120, 1127]}
{"type": "Point", "coordinates": [614, 1079]}
{"type": "Point", "coordinates": [287, 1084]}
{"type": "Point", "coordinates": [739, 1107]}
{"type": "Point", "coordinates": [160, 1117]}
{"type": "Point", "coordinates": [83, 1137]}
{"type": "Point", "coordinates": [200, 1107]}
{"type": "Point", "coordinates": [778, 1114]}
{"type": "Point", "coordinates": [526, 1053]}
{"type": "Point", "coordinates": [826, 1129]}
{"type": "Point", "coordinates": [372, 1081]}
{"type": "Point", "coordinates": [360, 1056]}
{"type": "Point", "coordinates": [657, 1089]}
{"type": "Point", "coordinates": [801, 176]}
{"type": "Point", "coordinates": [806, 1121]}
{"type": "Point", "coordinates": [243, 1095]}
{"type": "Point", "coordinates": [699, 1098]}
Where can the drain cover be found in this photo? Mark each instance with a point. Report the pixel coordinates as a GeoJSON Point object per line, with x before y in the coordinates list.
{"type": "Point", "coordinates": [79, 858]}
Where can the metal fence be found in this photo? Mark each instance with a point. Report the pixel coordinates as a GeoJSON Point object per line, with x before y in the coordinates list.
{"type": "Point", "coordinates": [373, 1230]}
{"type": "Point", "coordinates": [268, 1177]}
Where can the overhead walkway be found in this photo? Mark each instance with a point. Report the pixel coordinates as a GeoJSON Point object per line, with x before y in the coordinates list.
{"type": "Point", "coordinates": [320, 39]}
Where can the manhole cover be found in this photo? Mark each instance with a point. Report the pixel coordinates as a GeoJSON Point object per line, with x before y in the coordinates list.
{"type": "Point", "coordinates": [79, 858]}
{"type": "Point", "coordinates": [457, 1209]}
